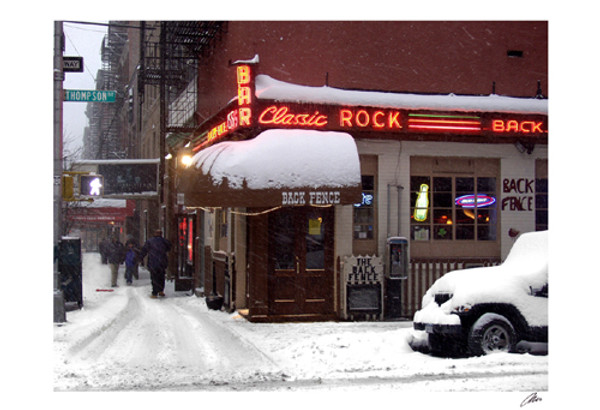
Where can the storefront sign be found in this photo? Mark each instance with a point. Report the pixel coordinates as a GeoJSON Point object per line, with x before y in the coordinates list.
{"type": "Point", "coordinates": [300, 198]}
{"type": "Point", "coordinates": [520, 200]}
{"type": "Point", "coordinates": [241, 116]}
{"type": "Point", "coordinates": [525, 127]}
{"type": "Point", "coordinates": [282, 116]}
{"type": "Point", "coordinates": [339, 118]}
{"type": "Point", "coordinates": [365, 269]}
{"type": "Point", "coordinates": [374, 119]}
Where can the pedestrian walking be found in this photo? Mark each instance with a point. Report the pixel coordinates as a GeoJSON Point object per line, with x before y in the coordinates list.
{"type": "Point", "coordinates": [156, 248]}
{"type": "Point", "coordinates": [136, 248]}
{"type": "Point", "coordinates": [131, 263]}
{"type": "Point", "coordinates": [115, 256]}
{"type": "Point", "coordinates": [103, 247]}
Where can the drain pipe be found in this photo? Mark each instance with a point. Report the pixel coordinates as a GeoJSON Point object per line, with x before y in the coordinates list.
{"type": "Point", "coordinates": [399, 188]}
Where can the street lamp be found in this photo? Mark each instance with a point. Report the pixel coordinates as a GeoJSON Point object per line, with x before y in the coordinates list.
{"type": "Point", "coordinates": [186, 156]}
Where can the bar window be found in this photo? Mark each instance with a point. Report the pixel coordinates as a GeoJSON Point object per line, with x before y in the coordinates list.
{"type": "Point", "coordinates": [364, 212]}
{"type": "Point", "coordinates": [448, 208]}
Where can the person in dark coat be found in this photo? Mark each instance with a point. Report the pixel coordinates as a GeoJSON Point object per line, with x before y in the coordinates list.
{"type": "Point", "coordinates": [136, 248]}
{"type": "Point", "coordinates": [131, 263]}
{"type": "Point", "coordinates": [115, 255]}
{"type": "Point", "coordinates": [104, 244]}
{"type": "Point", "coordinates": [156, 248]}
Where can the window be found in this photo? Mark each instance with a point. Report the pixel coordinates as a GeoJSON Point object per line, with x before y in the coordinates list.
{"type": "Point", "coordinates": [364, 212]}
{"type": "Point", "coordinates": [364, 223]}
{"type": "Point", "coordinates": [453, 208]}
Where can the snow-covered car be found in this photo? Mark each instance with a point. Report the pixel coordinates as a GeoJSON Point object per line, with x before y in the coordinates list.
{"type": "Point", "coordinates": [482, 310]}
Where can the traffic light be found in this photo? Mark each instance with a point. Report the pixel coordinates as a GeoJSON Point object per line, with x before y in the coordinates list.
{"type": "Point", "coordinates": [67, 187]}
{"type": "Point", "coordinates": [91, 185]}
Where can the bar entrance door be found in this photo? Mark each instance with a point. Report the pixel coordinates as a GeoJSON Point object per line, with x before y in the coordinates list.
{"type": "Point", "coordinates": [301, 261]}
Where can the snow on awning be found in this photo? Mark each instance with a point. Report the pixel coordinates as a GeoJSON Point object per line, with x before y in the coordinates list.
{"type": "Point", "coordinates": [270, 89]}
{"type": "Point", "coordinates": [276, 168]}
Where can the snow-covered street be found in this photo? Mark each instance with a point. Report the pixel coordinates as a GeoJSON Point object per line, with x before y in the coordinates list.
{"type": "Point", "coordinates": [125, 341]}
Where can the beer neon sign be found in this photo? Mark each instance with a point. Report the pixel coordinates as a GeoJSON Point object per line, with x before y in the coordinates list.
{"type": "Point", "coordinates": [472, 201]}
{"type": "Point", "coordinates": [422, 204]}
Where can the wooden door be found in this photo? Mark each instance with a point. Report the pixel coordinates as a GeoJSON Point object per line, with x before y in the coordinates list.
{"type": "Point", "coordinates": [301, 261]}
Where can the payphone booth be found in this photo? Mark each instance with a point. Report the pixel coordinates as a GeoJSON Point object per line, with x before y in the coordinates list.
{"type": "Point", "coordinates": [396, 273]}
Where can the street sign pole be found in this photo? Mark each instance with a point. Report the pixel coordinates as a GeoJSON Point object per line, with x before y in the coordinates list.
{"type": "Point", "coordinates": [59, 306]}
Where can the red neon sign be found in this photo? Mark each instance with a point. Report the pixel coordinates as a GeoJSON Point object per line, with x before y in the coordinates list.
{"type": "Point", "coordinates": [431, 122]}
{"type": "Point", "coordinates": [282, 116]}
{"type": "Point", "coordinates": [526, 127]}
{"type": "Point", "coordinates": [377, 119]}
{"type": "Point", "coordinates": [244, 94]}
{"type": "Point", "coordinates": [240, 117]}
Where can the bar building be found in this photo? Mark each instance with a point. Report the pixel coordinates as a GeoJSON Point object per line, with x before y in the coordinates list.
{"type": "Point", "coordinates": [312, 173]}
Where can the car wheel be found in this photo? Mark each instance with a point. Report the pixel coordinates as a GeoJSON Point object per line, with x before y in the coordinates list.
{"type": "Point", "coordinates": [492, 333]}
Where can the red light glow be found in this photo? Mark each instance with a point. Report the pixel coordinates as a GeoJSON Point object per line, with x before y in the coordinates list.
{"type": "Point", "coordinates": [526, 127]}
{"type": "Point", "coordinates": [282, 116]}
{"type": "Point", "coordinates": [444, 123]}
{"type": "Point", "coordinates": [377, 119]}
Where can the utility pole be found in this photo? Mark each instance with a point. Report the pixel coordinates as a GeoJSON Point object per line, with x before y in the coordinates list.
{"type": "Point", "coordinates": [59, 305]}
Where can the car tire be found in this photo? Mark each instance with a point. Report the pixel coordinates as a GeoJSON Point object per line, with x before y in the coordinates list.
{"type": "Point", "coordinates": [492, 333]}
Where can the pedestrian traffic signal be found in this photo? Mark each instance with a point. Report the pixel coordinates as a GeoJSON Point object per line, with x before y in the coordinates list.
{"type": "Point", "coordinates": [91, 185]}
{"type": "Point", "coordinates": [67, 186]}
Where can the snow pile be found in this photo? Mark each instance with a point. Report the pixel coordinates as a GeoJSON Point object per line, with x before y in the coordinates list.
{"type": "Point", "coordinates": [283, 159]}
{"type": "Point", "coordinates": [271, 89]}
{"type": "Point", "coordinates": [525, 268]}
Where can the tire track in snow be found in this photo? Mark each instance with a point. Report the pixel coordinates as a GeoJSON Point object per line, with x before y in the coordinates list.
{"type": "Point", "coordinates": [92, 346]}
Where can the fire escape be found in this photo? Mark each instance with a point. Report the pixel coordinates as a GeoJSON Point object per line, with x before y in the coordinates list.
{"type": "Point", "coordinates": [170, 60]}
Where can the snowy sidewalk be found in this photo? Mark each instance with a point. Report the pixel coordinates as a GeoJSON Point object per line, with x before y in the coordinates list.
{"type": "Point", "coordinates": [123, 340]}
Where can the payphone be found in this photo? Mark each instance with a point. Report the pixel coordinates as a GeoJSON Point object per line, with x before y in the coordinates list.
{"type": "Point", "coordinates": [396, 272]}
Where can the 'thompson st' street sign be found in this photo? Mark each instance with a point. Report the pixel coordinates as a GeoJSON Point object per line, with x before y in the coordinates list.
{"type": "Point", "coordinates": [90, 95]}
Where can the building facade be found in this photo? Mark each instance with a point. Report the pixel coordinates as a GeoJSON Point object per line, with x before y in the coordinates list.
{"type": "Point", "coordinates": [452, 169]}
{"type": "Point", "coordinates": [338, 167]}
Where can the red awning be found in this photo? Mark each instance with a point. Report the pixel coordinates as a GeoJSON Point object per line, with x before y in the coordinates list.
{"type": "Point", "coordinates": [101, 211]}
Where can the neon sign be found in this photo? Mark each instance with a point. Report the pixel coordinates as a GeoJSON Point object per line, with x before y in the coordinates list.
{"type": "Point", "coordinates": [433, 122]}
{"type": "Point", "coordinates": [282, 116]}
{"type": "Point", "coordinates": [472, 201]}
{"type": "Point", "coordinates": [525, 127]}
{"type": "Point", "coordinates": [367, 200]}
{"type": "Point", "coordinates": [377, 119]}
{"type": "Point", "coordinates": [422, 204]}
{"type": "Point", "coordinates": [238, 117]}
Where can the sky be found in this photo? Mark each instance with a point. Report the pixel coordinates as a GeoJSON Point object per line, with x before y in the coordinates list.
{"type": "Point", "coordinates": [85, 41]}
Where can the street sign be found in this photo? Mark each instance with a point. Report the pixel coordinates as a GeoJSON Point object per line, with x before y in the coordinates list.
{"type": "Point", "coordinates": [73, 64]}
{"type": "Point", "coordinates": [90, 95]}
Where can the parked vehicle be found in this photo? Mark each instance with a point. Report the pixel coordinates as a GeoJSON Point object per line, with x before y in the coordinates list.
{"type": "Point", "coordinates": [483, 310]}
